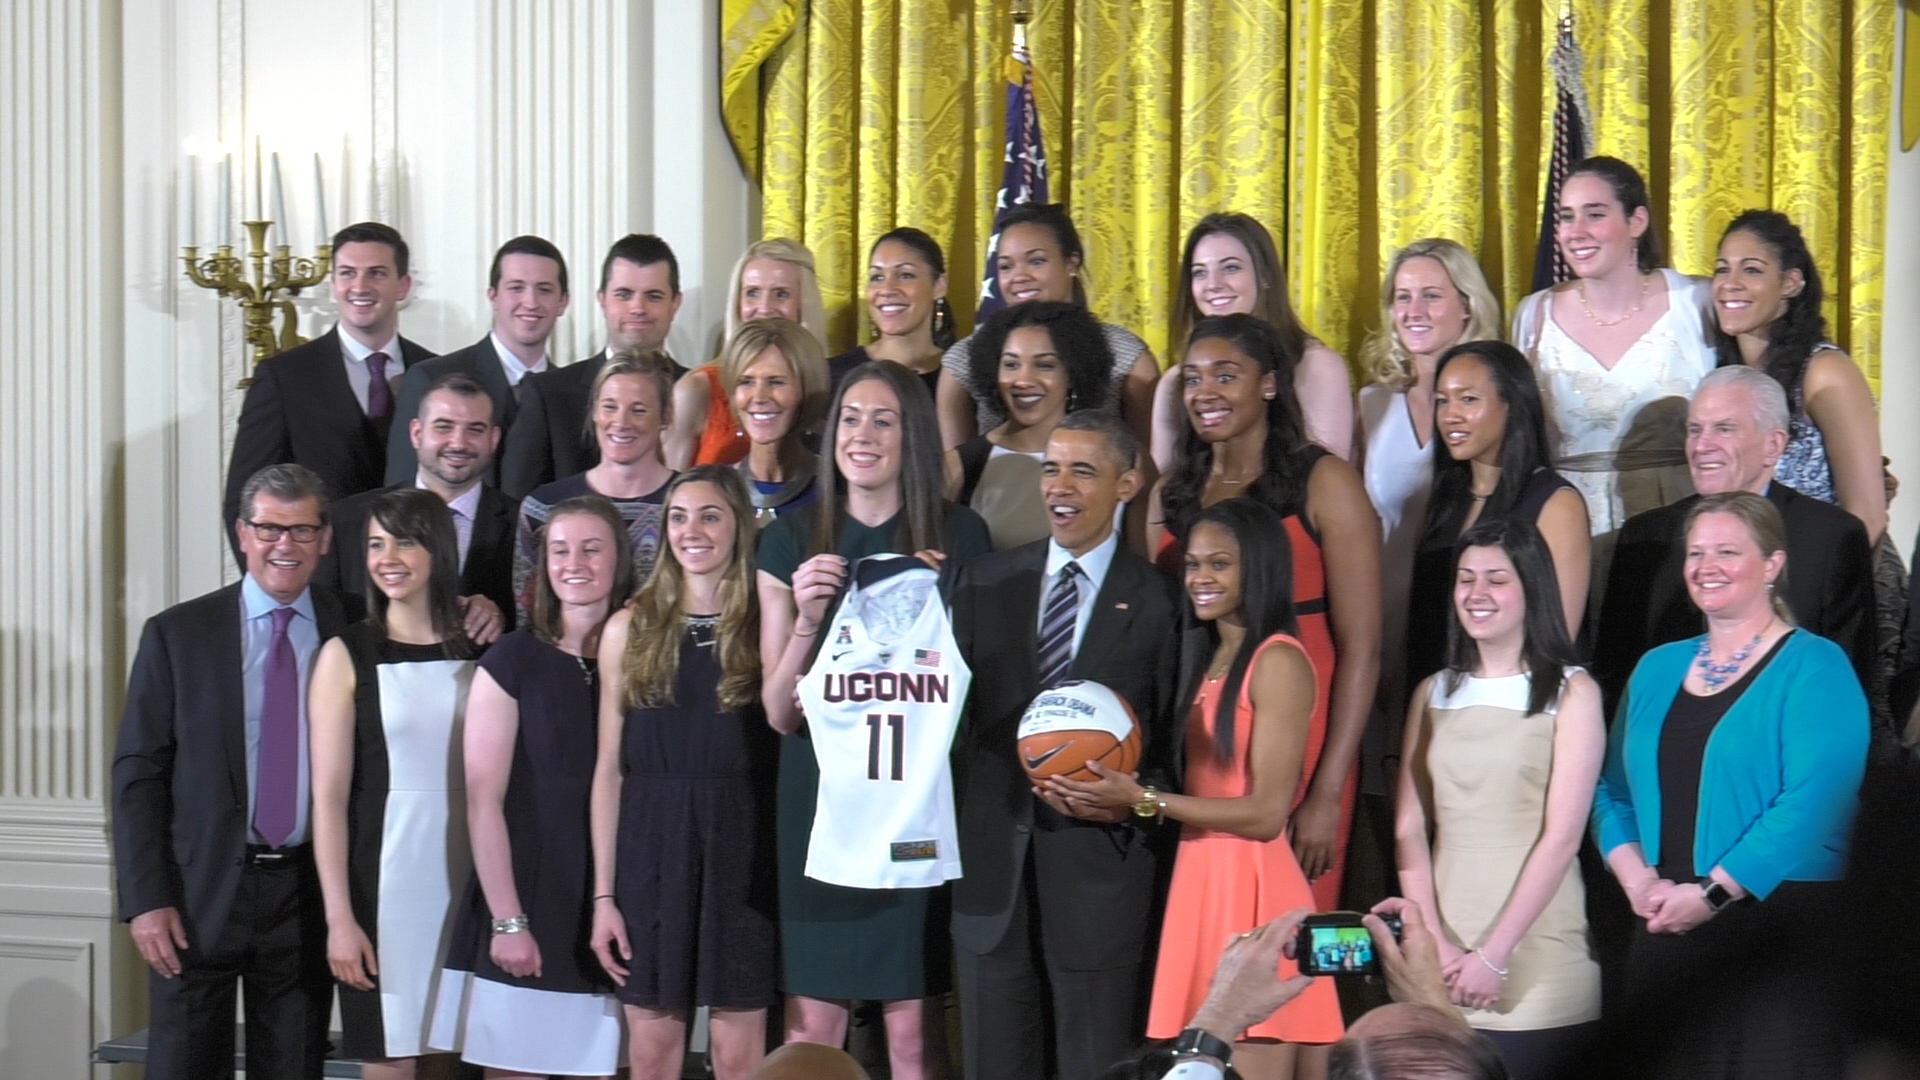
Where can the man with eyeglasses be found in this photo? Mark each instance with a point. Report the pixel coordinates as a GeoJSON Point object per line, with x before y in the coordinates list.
{"type": "Point", "coordinates": [210, 801]}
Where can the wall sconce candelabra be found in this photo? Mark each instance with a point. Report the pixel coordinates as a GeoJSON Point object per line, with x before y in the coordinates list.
{"type": "Point", "coordinates": [264, 280]}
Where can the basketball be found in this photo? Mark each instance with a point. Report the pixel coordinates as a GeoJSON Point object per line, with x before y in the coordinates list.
{"type": "Point", "coordinates": [1075, 723]}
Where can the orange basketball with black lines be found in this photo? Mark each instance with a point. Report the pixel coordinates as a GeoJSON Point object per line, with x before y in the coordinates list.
{"type": "Point", "coordinates": [1074, 723]}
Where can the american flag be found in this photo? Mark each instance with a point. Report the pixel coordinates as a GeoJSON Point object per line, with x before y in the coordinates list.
{"type": "Point", "coordinates": [1571, 127]}
{"type": "Point", "coordinates": [1023, 178]}
{"type": "Point", "coordinates": [927, 657]}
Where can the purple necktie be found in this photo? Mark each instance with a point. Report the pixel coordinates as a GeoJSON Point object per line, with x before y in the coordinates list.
{"type": "Point", "coordinates": [379, 394]}
{"type": "Point", "coordinates": [276, 788]}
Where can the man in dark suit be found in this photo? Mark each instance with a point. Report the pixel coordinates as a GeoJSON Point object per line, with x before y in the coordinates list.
{"type": "Point", "coordinates": [527, 290]}
{"type": "Point", "coordinates": [1736, 432]}
{"type": "Point", "coordinates": [328, 404]}
{"type": "Point", "coordinates": [639, 296]}
{"type": "Point", "coordinates": [210, 802]}
{"type": "Point", "coordinates": [1053, 917]}
{"type": "Point", "coordinates": [454, 438]}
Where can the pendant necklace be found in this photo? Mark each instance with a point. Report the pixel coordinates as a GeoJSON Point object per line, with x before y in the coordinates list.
{"type": "Point", "coordinates": [1715, 675]}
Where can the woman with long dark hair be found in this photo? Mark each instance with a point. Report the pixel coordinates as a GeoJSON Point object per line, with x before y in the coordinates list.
{"type": "Point", "coordinates": [683, 905]}
{"type": "Point", "coordinates": [533, 1003]}
{"type": "Point", "coordinates": [1247, 765]}
{"type": "Point", "coordinates": [1245, 438]}
{"type": "Point", "coordinates": [385, 711]}
{"type": "Point", "coordinates": [1490, 462]}
{"type": "Point", "coordinates": [1502, 749]}
{"type": "Point", "coordinates": [1229, 266]}
{"type": "Point", "coordinates": [907, 304]}
{"type": "Point", "coordinates": [1617, 351]}
{"type": "Point", "coordinates": [1044, 360]}
{"type": "Point", "coordinates": [880, 491]}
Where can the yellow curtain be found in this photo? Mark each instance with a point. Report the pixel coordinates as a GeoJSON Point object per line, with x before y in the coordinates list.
{"type": "Point", "coordinates": [1349, 128]}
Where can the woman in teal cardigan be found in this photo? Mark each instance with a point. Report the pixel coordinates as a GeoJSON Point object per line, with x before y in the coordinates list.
{"type": "Point", "coordinates": [1732, 773]}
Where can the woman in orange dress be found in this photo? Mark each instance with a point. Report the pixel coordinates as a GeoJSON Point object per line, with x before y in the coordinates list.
{"type": "Point", "coordinates": [1246, 438]}
{"type": "Point", "coordinates": [1248, 754]}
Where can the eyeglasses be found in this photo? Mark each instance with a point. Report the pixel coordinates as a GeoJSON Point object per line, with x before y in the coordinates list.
{"type": "Point", "coordinates": [272, 534]}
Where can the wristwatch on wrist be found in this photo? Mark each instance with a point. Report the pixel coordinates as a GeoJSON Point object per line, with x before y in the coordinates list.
{"type": "Point", "coordinates": [1149, 805]}
{"type": "Point", "coordinates": [1716, 895]}
{"type": "Point", "coordinates": [1195, 1042]}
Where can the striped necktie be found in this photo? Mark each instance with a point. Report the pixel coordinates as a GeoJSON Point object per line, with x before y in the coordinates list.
{"type": "Point", "coordinates": [1056, 626]}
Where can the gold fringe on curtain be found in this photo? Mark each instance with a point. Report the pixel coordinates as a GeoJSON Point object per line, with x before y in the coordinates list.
{"type": "Point", "coordinates": [1349, 128]}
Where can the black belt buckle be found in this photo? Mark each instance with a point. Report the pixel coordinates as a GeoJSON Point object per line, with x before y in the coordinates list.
{"type": "Point", "coordinates": [262, 857]}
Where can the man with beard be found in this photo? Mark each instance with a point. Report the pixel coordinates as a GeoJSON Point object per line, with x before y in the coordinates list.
{"type": "Point", "coordinates": [454, 438]}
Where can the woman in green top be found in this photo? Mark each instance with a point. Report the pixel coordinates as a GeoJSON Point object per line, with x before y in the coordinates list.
{"type": "Point", "coordinates": [879, 484]}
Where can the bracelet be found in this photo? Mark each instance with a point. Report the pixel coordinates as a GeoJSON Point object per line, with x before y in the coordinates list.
{"type": "Point", "coordinates": [811, 633]}
{"type": "Point", "coordinates": [603, 896]}
{"type": "Point", "coordinates": [1502, 972]}
{"type": "Point", "coordinates": [514, 924]}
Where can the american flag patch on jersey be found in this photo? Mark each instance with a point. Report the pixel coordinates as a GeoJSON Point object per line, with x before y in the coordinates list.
{"type": "Point", "coordinates": [927, 657]}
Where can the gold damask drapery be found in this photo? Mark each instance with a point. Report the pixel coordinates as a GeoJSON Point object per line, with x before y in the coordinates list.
{"type": "Point", "coordinates": [1350, 128]}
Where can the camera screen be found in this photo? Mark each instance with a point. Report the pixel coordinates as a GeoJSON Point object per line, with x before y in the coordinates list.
{"type": "Point", "coordinates": [1342, 948]}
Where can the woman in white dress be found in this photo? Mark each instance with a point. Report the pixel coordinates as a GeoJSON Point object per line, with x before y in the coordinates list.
{"type": "Point", "coordinates": [1618, 351]}
{"type": "Point", "coordinates": [1434, 296]}
{"type": "Point", "coordinates": [384, 714]}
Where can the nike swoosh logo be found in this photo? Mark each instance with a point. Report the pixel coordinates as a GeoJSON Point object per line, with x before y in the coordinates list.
{"type": "Point", "coordinates": [836, 656]}
{"type": "Point", "coordinates": [1036, 762]}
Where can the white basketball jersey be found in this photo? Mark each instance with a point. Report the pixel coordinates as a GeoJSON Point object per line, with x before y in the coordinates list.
{"type": "Point", "coordinates": [882, 702]}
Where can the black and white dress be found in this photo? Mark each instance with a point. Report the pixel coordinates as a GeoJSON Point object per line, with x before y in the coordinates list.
{"type": "Point", "coordinates": [407, 854]}
{"type": "Point", "coordinates": [565, 1022]}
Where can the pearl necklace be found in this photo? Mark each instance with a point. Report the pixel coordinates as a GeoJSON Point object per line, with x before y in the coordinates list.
{"type": "Point", "coordinates": [1631, 312]}
{"type": "Point", "coordinates": [1715, 675]}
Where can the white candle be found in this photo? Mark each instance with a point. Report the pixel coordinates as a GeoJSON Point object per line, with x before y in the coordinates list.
{"type": "Point", "coordinates": [322, 236]}
{"type": "Point", "coordinates": [279, 203]}
{"type": "Point", "coordinates": [187, 207]}
{"type": "Point", "coordinates": [226, 201]}
{"type": "Point", "coordinates": [259, 187]}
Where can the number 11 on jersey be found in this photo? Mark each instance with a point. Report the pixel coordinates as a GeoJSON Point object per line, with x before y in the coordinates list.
{"type": "Point", "coordinates": [876, 734]}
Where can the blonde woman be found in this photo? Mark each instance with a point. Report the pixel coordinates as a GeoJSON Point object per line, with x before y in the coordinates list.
{"type": "Point", "coordinates": [774, 279]}
{"type": "Point", "coordinates": [776, 377]}
{"type": "Point", "coordinates": [682, 867]}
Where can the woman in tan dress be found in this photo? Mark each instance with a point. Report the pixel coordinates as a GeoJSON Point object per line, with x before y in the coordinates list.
{"type": "Point", "coordinates": [1503, 748]}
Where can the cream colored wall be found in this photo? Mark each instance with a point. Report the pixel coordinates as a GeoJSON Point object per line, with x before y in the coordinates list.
{"type": "Point", "coordinates": [1900, 335]}
{"type": "Point", "coordinates": [465, 122]}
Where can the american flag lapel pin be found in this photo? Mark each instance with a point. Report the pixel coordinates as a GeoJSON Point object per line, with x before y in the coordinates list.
{"type": "Point", "coordinates": [1121, 606]}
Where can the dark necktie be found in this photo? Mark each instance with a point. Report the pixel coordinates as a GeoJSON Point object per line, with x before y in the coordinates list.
{"type": "Point", "coordinates": [276, 788]}
{"type": "Point", "coordinates": [379, 394]}
{"type": "Point", "coordinates": [1056, 626]}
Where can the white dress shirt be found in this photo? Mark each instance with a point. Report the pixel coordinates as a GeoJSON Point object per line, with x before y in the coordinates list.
{"type": "Point", "coordinates": [463, 507]}
{"type": "Point", "coordinates": [1093, 574]}
{"type": "Point", "coordinates": [509, 363]}
{"type": "Point", "coordinates": [355, 356]}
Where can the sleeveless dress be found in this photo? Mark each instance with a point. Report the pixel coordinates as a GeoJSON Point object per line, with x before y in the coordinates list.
{"type": "Point", "coordinates": [693, 871]}
{"type": "Point", "coordinates": [1225, 885]}
{"type": "Point", "coordinates": [1430, 600]}
{"type": "Point", "coordinates": [407, 854]}
{"type": "Point", "coordinates": [839, 943]}
{"type": "Point", "coordinates": [1398, 474]}
{"type": "Point", "coordinates": [564, 1022]}
{"type": "Point", "coordinates": [1125, 345]}
{"type": "Point", "coordinates": [1315, 636]}
{"type": "Point", "coordinates": [721, 441]}
{"type": "Point", "coordinates": [1804, 467]}
{"type": "Point", "coordinates": [1489, 763]}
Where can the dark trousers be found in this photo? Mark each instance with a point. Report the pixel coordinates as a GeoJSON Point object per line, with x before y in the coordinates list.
{"type": "Point", "coordinates": [1008, 994]}
{"type": "Point", "coordinates": [275, 945]}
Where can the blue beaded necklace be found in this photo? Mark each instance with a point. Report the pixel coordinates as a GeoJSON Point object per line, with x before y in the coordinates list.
{"type": "Point", "coordinates": [1715, 675]}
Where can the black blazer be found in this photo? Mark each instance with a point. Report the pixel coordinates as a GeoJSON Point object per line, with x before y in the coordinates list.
{"type": "Point", "coordinates": [549, 440]}
{"type": "Point", "coordinates": [1097, 880]}
{"type": "Point", "coordinates": [1829, 586]}
{"type": "Point", "coordinates": [180, 765]}
{"type": "Point", "coordinates": [478, 360]}
{"type": "Point", "coordinates": [300, 408]}
{"type": "Point", "coordinates": [488, 571]}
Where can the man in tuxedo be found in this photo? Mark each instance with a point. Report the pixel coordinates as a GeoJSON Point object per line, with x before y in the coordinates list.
{"type": "Point", "coordinates": [210, 802]}
{"type": "Point", "coordinates": [328, 404]}
{"type": "Point", "coordinates": [639, 297]}
{"type": "Point", "coordinates": [1053, 918]}
{"type": "Point", "coordinates": [527, 290]}
{"type": "Point", "coordinates": [454, 438]}
{"type": "Point", "coordinates": [1736, 432]}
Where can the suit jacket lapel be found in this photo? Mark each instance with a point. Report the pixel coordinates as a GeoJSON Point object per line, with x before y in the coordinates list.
{"type": "Point", "coordinates": [1111, 615]}
{"type": "Point", "coordinates": [488, 535]}
{"type": "Point", "coordinates": [228, 660]}
{"type": "Point", "coordinates": [330, 377]}
{"type": "Point", "coordinates": [1023, 607]}
{"type": "Point", "coordinates": [494, 377]}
